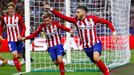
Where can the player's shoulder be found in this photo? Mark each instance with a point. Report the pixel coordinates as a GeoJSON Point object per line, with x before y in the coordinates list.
{"type": "Point", "coordinates": [18, 15]}
{"type": "Point", "coordinates": [55, 22]}
{"type": "Point", "coordinates": [92, 16]}
{"type": "Point", "coordinates": [2, 17]}
{"type": "Point", "coordinates": [42, 25]}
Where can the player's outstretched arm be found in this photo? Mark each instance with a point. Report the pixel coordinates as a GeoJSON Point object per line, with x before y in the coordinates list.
{"type": "Point", "coordinates": [63, 27]}
{"type": "Point", "coordinates": [104, 21]}
{"type": "Point", "coordinates": [60, 15]}
{"type": "Point", "coordinates": [34, 34]}
{"type": "Point", "coordinates": [1, 28]}
{"type": "Point", "coordinates": [31, 35]}
{"type": "Point", "coordinates": [70, 30]}
{"type": "Point", "coordinates": [110, 25]}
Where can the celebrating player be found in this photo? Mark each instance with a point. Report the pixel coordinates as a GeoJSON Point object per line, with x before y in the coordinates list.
{"type": "Point", "coordinates": [87, 32]}
{"type": "Point", "coordinates": [14, 25]}
{"type": "Point", "coordinates": [55, 48]}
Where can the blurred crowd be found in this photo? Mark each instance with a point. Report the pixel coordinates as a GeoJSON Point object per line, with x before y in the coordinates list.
{"type": "Point", "coordinates": [19, 6]}
{"type": "Point", "coordinates": [132, 18]}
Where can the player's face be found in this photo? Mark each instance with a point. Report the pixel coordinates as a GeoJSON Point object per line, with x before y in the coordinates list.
{"type": "Point", "coordinates": [47, 20]}
{"type": "Point", "coordinates": [10, 10]}
{"type": "Point", "coordinates": [79, 14]}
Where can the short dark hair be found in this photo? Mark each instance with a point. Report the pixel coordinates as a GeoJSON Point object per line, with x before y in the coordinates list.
{"type": "Point", "coordinates": [11, 4]}
{"type": "Point", "coordinates": [83, 8]}
{"type": "Point", "coordinates": [46, 15]}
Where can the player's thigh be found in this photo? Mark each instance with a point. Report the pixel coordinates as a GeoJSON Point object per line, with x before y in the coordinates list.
{"type": "Point", "coordinates": [12, 46]}
{"type": "Point", "coordinates": [52, 54]}
{"type": "Point", "coordinates": [59, 50]}
{"type": "Point", "coordinates": [19, 47]}
{"type": "Point", "coordinates": [96, 56]}
{"type": "Point", "coordinates": [89, 53]}
{"type": "Point", "coordinates": [59, 59]}
{"type": "Point", "coordinates": [97, 48]}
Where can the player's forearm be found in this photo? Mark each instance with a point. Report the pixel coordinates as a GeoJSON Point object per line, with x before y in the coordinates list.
{"type": "Point", "coordinates": [66, 29]}
{"type": "Point", "coordinates": [111, 28]}
{"type": "Point", "coordinates": [23, 33]}
{"type": "Point", "coordinates": [23, 28]}
{"type": "Point", "coordinates": [30, 36]}
{"type": "Point", "coordinates": [58, 14]}
{"type": "Point", "coordinates": [110, 25]}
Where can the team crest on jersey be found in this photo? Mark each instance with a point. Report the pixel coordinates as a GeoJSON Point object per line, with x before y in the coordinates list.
{"type": "Point", "coordinates": [11, 25]}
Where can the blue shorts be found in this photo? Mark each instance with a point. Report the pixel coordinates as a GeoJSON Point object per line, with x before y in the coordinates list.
{"type": "Point", "coordinates": [89, 51]}
{"type": "Point", "coordinates": [56, 51]}
{"type": "Point", "coordinates": [15, 46]}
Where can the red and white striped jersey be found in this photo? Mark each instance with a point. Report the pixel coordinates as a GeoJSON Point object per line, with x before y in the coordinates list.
{"type": "Point", "coordinates": [14, 25]}
{"type": "Point", "coordinates": [51, 31]}
{"type": "Point", "coordinates": [86, 27]}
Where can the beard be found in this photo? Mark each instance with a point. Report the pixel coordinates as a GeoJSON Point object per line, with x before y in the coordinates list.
{"type": "Point", "coordinates": [79, 18]}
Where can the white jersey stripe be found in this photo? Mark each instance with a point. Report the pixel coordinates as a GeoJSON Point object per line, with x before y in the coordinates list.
{"type": "Point", "coordinates": [17, 19]}
{"type": "Point", "coordinates": [15, 35]}
{"type": "Point", "coordinates": [88, 32]}
{"type": "Point", "coordinates": [93, 36]}
{"type": "Point", "coordinates": [14, 32]}
{"type": "Point", "coordinates": [93, 32]}
{"type": "Point", "coordinates": [49, 38]}
{"type": "Point", "coordinates": [54, 37]}
{"type": "Point", "coordinates": [58, 38]}
{"type": "Point", "coordinates": [10, 29]}
{"type": "Point", "coordinates": [83, 32]}
{"type": "Point", "coordinates": [52, 41]}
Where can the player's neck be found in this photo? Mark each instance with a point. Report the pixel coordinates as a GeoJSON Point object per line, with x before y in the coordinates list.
{"type": "Point", "coordinates": [11, 14]}
{"type": "Point", "coordinates": [83, 17]}
{"type": "Point", "coordinates": [48, 25]}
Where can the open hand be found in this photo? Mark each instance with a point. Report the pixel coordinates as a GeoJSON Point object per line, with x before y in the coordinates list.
{"type": "Point", "coordinates": [1, 38]}
{"type": "Point", "coordinates": [72, 31]}
{"type": "Point", "coordinates": [46, 6]}
{"type": "Point", "coordinates": [115, 37]}
{"type": "Point", "coordinates": [21, 38]}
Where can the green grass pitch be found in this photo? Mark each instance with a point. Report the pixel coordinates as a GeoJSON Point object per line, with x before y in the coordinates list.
{"type": "Point", "coordinates": [9, 70]}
